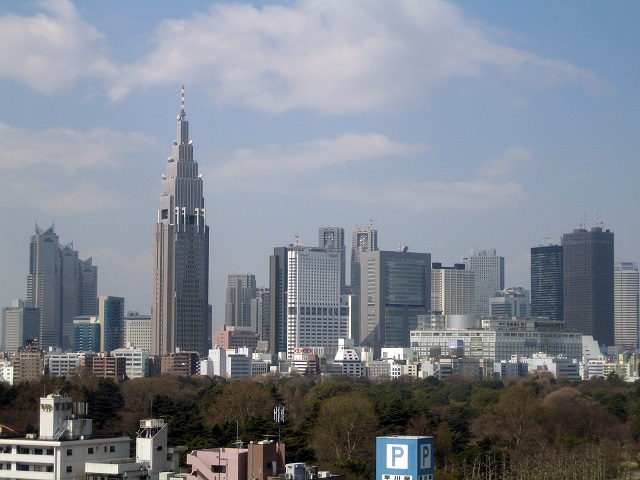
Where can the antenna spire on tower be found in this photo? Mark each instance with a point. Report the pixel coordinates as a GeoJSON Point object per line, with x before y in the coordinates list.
{"type": "Point", "coordinates": [182, 103]}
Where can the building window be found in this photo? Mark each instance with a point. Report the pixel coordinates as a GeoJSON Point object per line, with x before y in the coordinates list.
{"type": "Point", "coordinates": [69, 468]}
{"type": "Point", "coordinates": [69, 452]}
{"type": "Point", "coordinates": [90, 450]}
{"type": "Point", "coordinates": [112, 448]}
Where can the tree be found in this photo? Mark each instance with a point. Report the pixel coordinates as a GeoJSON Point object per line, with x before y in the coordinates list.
{"type": "Point", "coordinates": [346, 428]}
{"type": "Point", "coordinates": [240, 400]}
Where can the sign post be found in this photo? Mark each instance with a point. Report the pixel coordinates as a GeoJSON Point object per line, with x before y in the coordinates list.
{"type": "Point", "coordinates": [404, 458]}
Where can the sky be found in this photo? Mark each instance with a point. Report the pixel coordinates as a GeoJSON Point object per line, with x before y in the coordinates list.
{"type": "Point", "coordinates": [450, 125]}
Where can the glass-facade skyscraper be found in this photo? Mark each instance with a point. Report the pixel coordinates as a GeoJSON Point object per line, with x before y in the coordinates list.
{"type": "Point", "coordinates": [180, 312]}
{"type": "Point", "coordinates": [588, 283]}
{"type": "Point", "coordinates": [395, 289]}
{"type": "Point", "coordinates": [547, 284]}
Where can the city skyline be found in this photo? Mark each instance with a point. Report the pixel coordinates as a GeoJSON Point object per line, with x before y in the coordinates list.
{"type": "Point", "coordinates": [451, 125]}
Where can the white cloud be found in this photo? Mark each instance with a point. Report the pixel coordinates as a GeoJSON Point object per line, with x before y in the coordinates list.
{"type": "Point", "coordinates": [66, 150]}
{"type": "Point", "coordinates": [505, 164]}
{"type": "Point", "coordinates": [52, 49]}
{"type": "Point", "coordinates": [430, 196]}
{"type": "Point", "coordinates": [261, 167]}
{"type": "Point", "coordinates": [23, 192]}
{"type": "Point", "coordinates": [330, 55]}
{"type": "Point", "coordinates": [327, 55]}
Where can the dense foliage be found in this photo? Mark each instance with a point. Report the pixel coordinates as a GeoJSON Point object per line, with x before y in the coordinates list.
{"type": "Point", "coordinates": [531, 428]}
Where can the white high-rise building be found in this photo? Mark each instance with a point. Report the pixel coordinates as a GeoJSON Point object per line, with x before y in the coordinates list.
{"type": "Point", "coordinates": [313, 299]}
{"type": "Point", "coordinates": [453, 290]}
{"type": "Point", "coordinates": [489, 273]}
{"type": "Point", "coordinates": [625, 304]}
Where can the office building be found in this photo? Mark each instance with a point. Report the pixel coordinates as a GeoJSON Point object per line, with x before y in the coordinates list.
{"type": "Point", "coordinates": [362, 240]}
{"type": "Point", "coordinates": [137, 331]}
{"type": "Point", "coordinates": [44, 286]}
{"type": "Point", "coordinates": [260, 311]}
{"type": "Point", "coordinates": [20, 324]}
{"type": "Point", "coordinates": [60, 285]}
{"type": "Point", "coordinates": [510, 302]}
{"type": "Point", "coordinates": [60, 364]}
{"type": "Point", "coordinates": [498, 339]}
{"type": "Point", "coordinates": [278, 300]}
{"type": "Point", "coordinates": [489, 276]}
{"type": "Point", "coordinates": [136, 361]}
{"type": "Point", "coordinates": [547, 283]}
{"type": "Point", "coordinates": [313, 299]}
{"type": "Point", "coordinates": [86, 334]}
{"type": "Point", "coordinates": [588, 283]}
{"type": "Point", "coordinates": [235, 337]}
{"type": "Point", "coordinates": [396, 288]}
{"type": "Point", "coordinates": [332, 240]}
{"type": "Point", "coordinates": [453, 290]}
{"type": "Point", "coordinates": [180, 312]}
{"type": "Point", "coordinates": [111, 319]}
{"type": "Point", "coordinates": [241, 289]}
{"type": "Point", "coordinates": [626, 287]}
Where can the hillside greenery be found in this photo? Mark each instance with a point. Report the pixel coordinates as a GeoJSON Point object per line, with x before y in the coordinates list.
{"type": "Point", "coordinates": [529, 428]}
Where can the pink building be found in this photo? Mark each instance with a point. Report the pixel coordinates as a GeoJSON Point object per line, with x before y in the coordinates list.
{"type": "Point", "coordinates": [257, 461]}
{"type": "Point", "coordinates": [235, 337]}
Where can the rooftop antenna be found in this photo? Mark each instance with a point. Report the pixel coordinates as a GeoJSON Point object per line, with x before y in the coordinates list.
{"type": "Point", "coordinates": [599, 222]}
{"type": "Point", "coordinates": [371, 223]}
{"type": "Point", "coordinates": [297, 242]}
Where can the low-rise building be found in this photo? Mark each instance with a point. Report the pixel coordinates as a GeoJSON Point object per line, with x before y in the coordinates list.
{"type": "Point", "coordinates": [136, 361]}
{"type": "Point", "coordinates": [61, 364]}
{"type": "Point", "coordinates": [257, 461]}
{"type": "Point", "coordinates": [62, 447]}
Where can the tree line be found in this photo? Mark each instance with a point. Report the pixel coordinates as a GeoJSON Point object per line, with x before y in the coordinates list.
{"type": "Point", "coordinates": [524, 429]}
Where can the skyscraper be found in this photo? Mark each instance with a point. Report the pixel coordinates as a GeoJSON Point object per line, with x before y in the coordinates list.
{"type": "Point", "coordinates": [313, 299]}
{"type": "Point", "coordinates": [44, 285]}
{"type": "Point", "coordinates": [278, 299]}
{"type": "Point", "coordinates": [241, 289]}
{"type": "Point", "coordinates": [547, 284]}
{"type": "Point", "coordinates": [111, 319]}
{"type": "Point", "coordinates": [332, 239]}
{"type": "Point", "coordinates": [362, 240]}
{"type": "Point", "coordinates": [260, 313]}
{"type": "Point", "coordinates": [489, 272]}
{"type": "Point", "coordinates": [588, 283]}
{"type": "Point", "coordinates": [20, 325]}
{"type": "Point", "coordinates": [61, 285]}
{"type": "Point", "coordinates": [626, 307]}
{"type": "Point", "coordinates": [396, 288]}
{"type": "Point", "coordinates": [180, 313]}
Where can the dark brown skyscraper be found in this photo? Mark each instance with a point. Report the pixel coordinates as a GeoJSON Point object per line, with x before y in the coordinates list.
{"type": "Point", "coordinates": [588, 283]}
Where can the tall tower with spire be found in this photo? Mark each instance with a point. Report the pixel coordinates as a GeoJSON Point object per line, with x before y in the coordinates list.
{"type": "Point", "coordinates": [180, 312]}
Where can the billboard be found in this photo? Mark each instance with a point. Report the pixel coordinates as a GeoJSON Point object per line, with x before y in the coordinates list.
{"type": "Point", "coordinates": [404, 458]}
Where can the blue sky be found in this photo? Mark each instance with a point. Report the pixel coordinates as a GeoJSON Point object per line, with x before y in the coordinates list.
{"type": "Point", "coordinates": [452, 125]}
